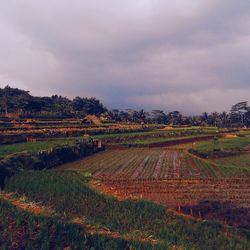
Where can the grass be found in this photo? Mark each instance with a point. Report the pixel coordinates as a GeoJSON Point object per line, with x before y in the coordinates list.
{"type": "Point", "coordinates": [241, 162]}
{"type": "Point", "coordinates": [164, 138]}
{"type": "Point", "coordinates": [34, 146]}
{"type": "Point", "coordinates": [238, 143]}
{"type": "Point", "coordinates": [155, 132]}
{"type": "Point", "coordinates": [22, 230]}
{"type": "Point", "coordinates": [128, 134]}
{"type": "Point", "coordinates": [69, 195]}
{"type": "Point", "coordinates": [147, 137]}
{"type": "Point", "coordinates": [44, 145]}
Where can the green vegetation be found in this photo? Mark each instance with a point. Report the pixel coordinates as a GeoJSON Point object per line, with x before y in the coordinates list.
{"type": "Point", "coordinates": [13, 100]}
{"type": "Point", "coordinates": [241, 162]}
{"type": "Point", "coordinates": [22, 230]}
{"type": "Point", "coordinates": [34, 147]}
{"type": "Point", "coordinates": [69, 195]}
{"type": "Point", "coordinates": [20, 104]}
{"type": "Point", "coordinates": [44, 159]}
{"type": "Point", "coordinates": [145, 137]}
{"type": "Point", "coordinates": [160, 132]}
{"type": "Point", "coordinates": [164, 138]}
{"type": "Point", "coordinates": [225, 144]}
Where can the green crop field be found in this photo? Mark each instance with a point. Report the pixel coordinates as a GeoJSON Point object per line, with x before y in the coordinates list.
{"type": "Point", "coordinates": [157, 135]}
{"type": "Point", "coordinates": [9, 149]}
{"type": "Point", "coordinates": [23, 230]}
{"type": "Point", "coordinates": [163, 138]}
{"type": "Point", "coordinates": [68, 194]}
{"type": "Point", "coordinates": [224, 144]}
{"type": "Point", "coordinates": [240, 161]}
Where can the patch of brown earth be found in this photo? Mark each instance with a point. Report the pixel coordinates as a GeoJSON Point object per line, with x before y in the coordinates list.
{"type": "Point", "coordinates": [179, 192]}
{"type": "Point", "coordinates": [23, 203]}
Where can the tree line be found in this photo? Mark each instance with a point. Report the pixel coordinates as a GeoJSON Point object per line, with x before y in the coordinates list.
{"type": "Point", "coordinates": [20, 102]}
{"type": "Point", "coordinates": [239, 116]}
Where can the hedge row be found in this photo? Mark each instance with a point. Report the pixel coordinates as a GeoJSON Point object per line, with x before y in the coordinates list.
{"type": "Point", "coordinates": [44, 159]}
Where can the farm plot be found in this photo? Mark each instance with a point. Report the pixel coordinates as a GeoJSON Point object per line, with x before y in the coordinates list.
{"type": "Point", "coordinates": [182, 192]}
{"type": "Point", "coordinates": [240, 163]}
{"type": "Point", "coordinates": [141, 163]}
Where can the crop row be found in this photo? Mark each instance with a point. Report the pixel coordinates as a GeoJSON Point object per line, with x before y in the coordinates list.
{"type": "Point", "coordinates": [141, 163]}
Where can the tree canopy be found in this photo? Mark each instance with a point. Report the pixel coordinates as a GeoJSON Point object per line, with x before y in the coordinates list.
{"type": "Point", "coordinates": [13, 100]}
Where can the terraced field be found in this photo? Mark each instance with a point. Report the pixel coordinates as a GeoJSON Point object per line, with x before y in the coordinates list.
{"type": "Point", "coordinates": [69, 214]}
{"type": "Point", "coordinates": [154, 163]}
{"type": "Point", "coordinates": [182, 192]}
{"type": "Point", "coordinates": [169, 176]}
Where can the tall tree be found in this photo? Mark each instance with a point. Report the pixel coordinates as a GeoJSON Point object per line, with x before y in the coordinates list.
{"type": "Point", "coordinates": [239, 114]}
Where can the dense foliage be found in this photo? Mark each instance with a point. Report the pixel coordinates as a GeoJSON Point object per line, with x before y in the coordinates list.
{"type": "Point", "coordinates": [13, 100]}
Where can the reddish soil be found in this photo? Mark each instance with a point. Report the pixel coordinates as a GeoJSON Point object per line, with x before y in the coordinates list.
{"type": "Point", "coordinates": [224, 212]}
{"type": "Point", "coordinates": [28, 206]}
{"type": "Point", "coordinates": [180, 192]}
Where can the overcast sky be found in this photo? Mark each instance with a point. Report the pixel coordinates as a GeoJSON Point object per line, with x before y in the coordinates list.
{"type": "Point", "coordinates": [191, 56]}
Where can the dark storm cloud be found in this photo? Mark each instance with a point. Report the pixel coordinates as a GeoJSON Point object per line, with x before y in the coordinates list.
{"type": "Point", "coordinates": [188, 55]}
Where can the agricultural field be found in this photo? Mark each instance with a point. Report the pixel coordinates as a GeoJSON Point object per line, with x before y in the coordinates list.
{"type": "Point", "coordinates": [9, 149]}
{"type": "Point", "coordinates": [160, 135]}
{"type": "Point", "coordinates": [70, 202]}
{"type": "Point", "coordinates": [137, 194]}
{"type": "Point", "coordinates": [168, 176]}
{"type": "Point", "coordinates": [230, 143]}
{"type": "Point", "coordinates": [181, 192]}
{"type": "Point", "coordinates": [153, 163]}
{"type": "Point", "coordinates": [240, 161]}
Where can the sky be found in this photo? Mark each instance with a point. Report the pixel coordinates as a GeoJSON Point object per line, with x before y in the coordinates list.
{"type": "Point", "coordinates": [192, 56]}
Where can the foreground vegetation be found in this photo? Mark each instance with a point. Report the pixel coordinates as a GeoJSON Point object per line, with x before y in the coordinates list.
{"type": "Point", "coordinates": [69, 195]}
{"type": "Point", "coordinates": [22, 230]}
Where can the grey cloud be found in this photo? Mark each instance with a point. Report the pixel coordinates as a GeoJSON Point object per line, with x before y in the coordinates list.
{"type": "Point", "coordinates": [129, 53]}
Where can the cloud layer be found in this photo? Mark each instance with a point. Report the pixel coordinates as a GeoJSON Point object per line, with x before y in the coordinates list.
{"type": "Point", "coordinates": [187, 55]}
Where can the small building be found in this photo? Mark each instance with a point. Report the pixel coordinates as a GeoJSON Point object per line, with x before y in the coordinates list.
{"type": "Point", "coordinates": [91, 119]}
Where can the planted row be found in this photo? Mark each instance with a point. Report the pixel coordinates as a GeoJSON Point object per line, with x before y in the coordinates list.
{"type": "Point", "coordinates": [154, 163]}
{"type": "Point", "coordinates": [69, 195]}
